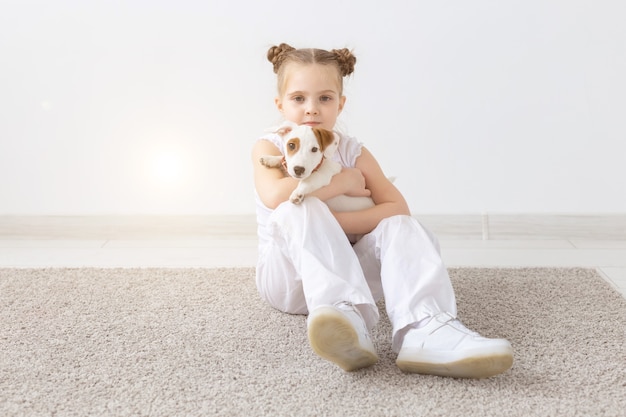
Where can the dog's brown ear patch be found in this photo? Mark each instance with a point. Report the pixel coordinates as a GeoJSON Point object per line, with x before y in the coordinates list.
{"type": "Point", "coordinates": [292, 146]}
{"type": "Point", "coordinates": [324, 137]}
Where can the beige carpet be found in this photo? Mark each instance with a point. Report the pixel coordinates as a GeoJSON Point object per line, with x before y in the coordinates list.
{"type": "Point", "coordinates": [178, 342]}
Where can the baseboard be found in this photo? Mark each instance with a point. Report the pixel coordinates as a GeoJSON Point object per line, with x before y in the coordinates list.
{"type": "Point", "coordinates": [471, 226]}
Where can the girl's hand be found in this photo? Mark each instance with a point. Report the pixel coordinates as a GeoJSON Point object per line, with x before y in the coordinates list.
{"type": "Point", "coordinates": [354, 182]}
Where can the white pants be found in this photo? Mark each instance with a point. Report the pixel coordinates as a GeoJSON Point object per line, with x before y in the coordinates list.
{"type": "Point", "coordinates": [309, 262]}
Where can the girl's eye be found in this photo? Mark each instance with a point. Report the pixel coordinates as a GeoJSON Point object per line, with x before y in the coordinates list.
{"type": "Point", "coordinates": [314, 149]}
{"type": "Point", "coordinates": [298, 99]}
{"type": "Point", "coordinates": [325, 98]}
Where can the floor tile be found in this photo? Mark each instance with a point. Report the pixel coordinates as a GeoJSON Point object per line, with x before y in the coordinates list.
{"type": "Point", "coordinates": [52, 243]}
{"type": "Point", "coordinates": [616, 276]}
{"type": "Point", "coordinates": [129, 257]}
{"type": "Point", "coordinates": [206, 242]}
{"type": "Point", "coordinates": [534, 257]}
{"type": "Point", "coordinates": [505, 244]}
{"type": "Point", "coordinates": [607, 227]}
{"type": "Point", "coordinates": [598, 244]}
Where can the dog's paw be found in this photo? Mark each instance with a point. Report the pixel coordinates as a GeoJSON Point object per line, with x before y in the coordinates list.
{"type": "Point", "coordinates": [296, 198]}
{"type": "Point", "coordinates": [264, 161]}
{"type": "Point", "coordinates": [271, 161]}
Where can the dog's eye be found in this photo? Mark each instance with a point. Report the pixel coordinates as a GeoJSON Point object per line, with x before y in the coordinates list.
{"type": "Point", "coordinates": [314, 149]}
{"type": "Point", "coordinates": [291, 146]}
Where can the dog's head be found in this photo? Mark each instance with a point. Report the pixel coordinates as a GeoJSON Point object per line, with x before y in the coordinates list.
{"type": "Point", "coordinates": [306, 147]}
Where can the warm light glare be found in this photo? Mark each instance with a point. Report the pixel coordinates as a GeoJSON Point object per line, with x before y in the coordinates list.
{"type": "Point", "coordinates": [168, 166]}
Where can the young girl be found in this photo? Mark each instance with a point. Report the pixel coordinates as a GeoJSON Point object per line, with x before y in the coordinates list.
{"type": "Point", "coordinates": [307, 265]}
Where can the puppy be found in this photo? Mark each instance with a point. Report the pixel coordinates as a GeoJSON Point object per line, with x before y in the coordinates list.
{"type": "Point", "coordinates": [308, 152]}
{"type": "Point", "coordinates": [308, 157]}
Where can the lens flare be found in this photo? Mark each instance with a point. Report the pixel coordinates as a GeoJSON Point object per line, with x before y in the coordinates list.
{"type": "Point", "coordinates": [168, 166]}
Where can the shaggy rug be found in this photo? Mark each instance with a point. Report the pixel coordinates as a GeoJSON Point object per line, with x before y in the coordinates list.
{"type": "Point", "coordinates": [200, 342]}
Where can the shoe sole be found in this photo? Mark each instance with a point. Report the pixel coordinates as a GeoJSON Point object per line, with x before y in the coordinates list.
{"type": "Point", "coordinates": [477, 366]}
{"type": "Point", "coordinates": [333, 337]}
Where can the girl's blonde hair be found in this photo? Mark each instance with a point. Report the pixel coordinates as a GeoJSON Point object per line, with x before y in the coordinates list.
{"type": "Point", "coordinates": [342, 59]}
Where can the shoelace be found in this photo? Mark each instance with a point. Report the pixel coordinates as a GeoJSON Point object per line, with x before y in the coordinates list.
{"type": "Point", "coordinates": [453, 322]}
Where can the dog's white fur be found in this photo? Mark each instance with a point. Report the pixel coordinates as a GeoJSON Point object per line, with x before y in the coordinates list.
{"type": "Point", "coordinates": [308, 156]}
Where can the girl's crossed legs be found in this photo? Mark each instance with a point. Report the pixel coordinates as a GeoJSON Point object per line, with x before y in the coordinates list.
{"type": "Point", "coordinates": [309, 266]}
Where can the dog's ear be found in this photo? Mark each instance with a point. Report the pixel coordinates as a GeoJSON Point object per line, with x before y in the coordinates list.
{"type": "Point", "coordinates": [285, 128]}
{"type": "Point", "coordinates": [324, 137]}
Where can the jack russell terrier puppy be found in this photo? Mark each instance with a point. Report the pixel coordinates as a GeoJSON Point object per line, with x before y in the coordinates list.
{"type": "Point", "coordinates": [308, 153]}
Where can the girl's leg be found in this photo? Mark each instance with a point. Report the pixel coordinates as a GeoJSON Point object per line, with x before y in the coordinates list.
{"type": "Point", "coordinates": [401, 260]}
{"type": "Point", "coordinates": [309, 262]}
{"type": "Point", "coordinates": [309, 266]}
{"type": "Point", "coordinates": [421, 305]}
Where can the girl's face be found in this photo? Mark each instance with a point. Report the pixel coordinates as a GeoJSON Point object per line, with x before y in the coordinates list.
{"type": "Point", "coordinates": [310, 95]}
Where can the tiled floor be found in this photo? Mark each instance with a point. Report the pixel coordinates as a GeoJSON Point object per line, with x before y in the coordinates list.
{"type": "Point", "coordinates": [227, 241]}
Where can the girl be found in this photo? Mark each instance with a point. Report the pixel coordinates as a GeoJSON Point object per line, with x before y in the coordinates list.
{"type": "Point", "coordinates": [307, 265]}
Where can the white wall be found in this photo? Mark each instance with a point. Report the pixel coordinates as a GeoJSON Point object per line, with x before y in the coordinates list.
{"type": "Point", "coordinates": [503, 106]}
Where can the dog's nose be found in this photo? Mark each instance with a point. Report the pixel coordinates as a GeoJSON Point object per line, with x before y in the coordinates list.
{"type": "Point", "coordinates": [298, 170]}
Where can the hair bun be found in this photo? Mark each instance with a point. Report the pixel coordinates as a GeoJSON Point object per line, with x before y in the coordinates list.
{"type": "Point", "coordinates": [345, 59]}
{"type": "Point", "coordinates": [277, 54]}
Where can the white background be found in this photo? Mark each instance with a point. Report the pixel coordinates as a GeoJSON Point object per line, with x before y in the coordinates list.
{"type": "Point", "coordinates": [151, 107]}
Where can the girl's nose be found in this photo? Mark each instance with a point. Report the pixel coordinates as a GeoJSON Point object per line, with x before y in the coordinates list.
{"type": "Point", "coordinates": [311, 110]}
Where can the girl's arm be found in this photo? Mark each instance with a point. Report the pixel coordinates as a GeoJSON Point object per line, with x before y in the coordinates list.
{"type": "Point", "coordinates": [271, 184]}
{"type": "Point", "coordinates": [274, 186]}
{"type": "Point", "coordinates": [389, 201]}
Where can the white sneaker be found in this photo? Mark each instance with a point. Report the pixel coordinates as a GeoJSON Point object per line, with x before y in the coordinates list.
{"type": "Point", "coordinates": [338, 334]}
{"type": "Point", "coordinates": [445, 347]}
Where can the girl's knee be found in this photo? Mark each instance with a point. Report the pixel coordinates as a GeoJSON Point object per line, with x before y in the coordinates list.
{"type": "Point", "coordinates": [401, 224]}
{"type": "Point", "coordinates": [400, 221]}
{"type": "Point", "coordinates": [289, 218]}
{"type": "Point", "coordinates": [314, 203]}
